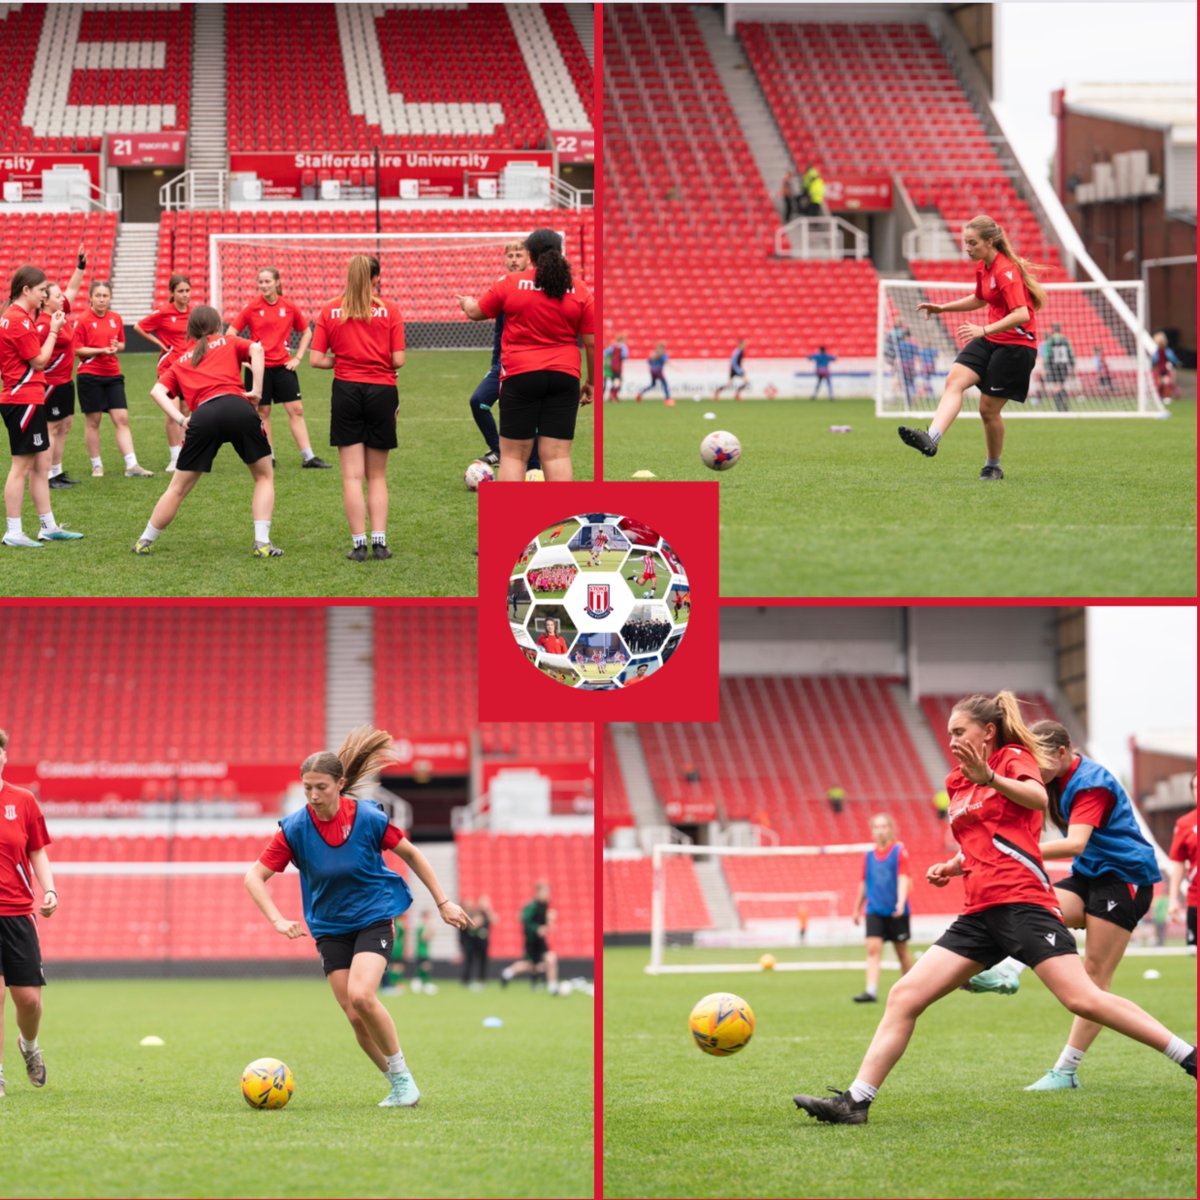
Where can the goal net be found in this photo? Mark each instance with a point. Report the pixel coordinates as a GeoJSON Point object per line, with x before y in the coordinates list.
{"type": "Point", "coordinates": [421, 272]}
{"type": "Point", "coordinates": [773, 897]}
{"type": "Point", "coordinates": [1095, 365]}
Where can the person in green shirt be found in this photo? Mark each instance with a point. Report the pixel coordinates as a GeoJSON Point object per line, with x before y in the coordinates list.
{"type": "Point", "coordinates": [422, 952]}
{"type": "Point", "coordinates": [537, 919]}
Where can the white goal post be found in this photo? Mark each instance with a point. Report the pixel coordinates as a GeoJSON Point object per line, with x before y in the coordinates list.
{"type": "Point", "coordinates": [737, 937]}
{"type": "Point", "coordinates": [420, 272]}
{"type": "Point", "coordinates": [1096, 365]}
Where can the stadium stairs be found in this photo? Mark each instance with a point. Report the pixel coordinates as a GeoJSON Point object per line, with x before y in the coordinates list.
{"type": "Point", "coordinates": [135, 264]}
{"type": "Point", "coordinates": [636, 786]}
{"type": "Point", "coordinates": [208, 139]}
{"type": "Point", "coordinates": [349, 685]}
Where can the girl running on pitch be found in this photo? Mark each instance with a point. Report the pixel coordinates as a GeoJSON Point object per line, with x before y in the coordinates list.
{"type": "Point", "coordinates": [657, 362]}
{"type": "Point", "coordinates": [272, 320]}
{"type": "Point", "coordinates": [166, 327]}
{"type": "Point", "coordinates": [207, 380]}
{"type": "Point", "coordinates": [360, 337]}
{"type": "Point", "coordinates": [999, 354]}
{"type": "Point", "coordinates": [100, 337]}
{"type": "Point", "coordinates": [351, 896]}
{"type": "Point", "coordinates": [60, 370]}
{"type": "Point", "coordinates": [737, 373]}
{"type": "Point", "coordinates": [24, 354]}
{"type": "Point", "coordinates": [1108, 891]}
{"type": "Point", "coordinates": [997, 799]}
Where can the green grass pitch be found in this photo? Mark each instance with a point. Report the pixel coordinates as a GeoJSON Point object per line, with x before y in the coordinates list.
{"type": "Point", "coordinates": [206, 552]}
{"type": "Point", "coordinates": [503, 1112]}
{"type": "Point", "coordinates": [1087, 508]}
{"type": "Point", "coordinates": [610, 560]}
{"type": "Point", "coordinates": [952, 1120]}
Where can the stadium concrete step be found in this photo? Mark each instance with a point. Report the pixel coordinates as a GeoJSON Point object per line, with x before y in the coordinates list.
{"type": "Point", "coordinates": [208, 142]}
{"type": "Point", "coordinates": [925, 739]}
{"type": "Point", "coordinates": [746, 98]}
{"type": "Point", "coordinates": [349, 665]}
{"type": "Point", "coordinates": [583, 18]}
{"type": "Point", "coordinates": [713, 884]}
{"type": "Point", "coordinates": [639, 786]}
{"type": "Point", "coordinates": [549, 73]}
{"type": "Point", "coordinates": [135, 263]}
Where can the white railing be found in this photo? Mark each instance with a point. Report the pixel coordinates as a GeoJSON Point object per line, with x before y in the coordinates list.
{"type": "Point", "coordinates": [745, 833]}
{"type": "Point", "coordinates": [820, 238]}
{"type": "Point", "coordinates": [184, 190]}
{"type": "Point", "coordinates": [79, 195]}
{"type": "Point", "coordinates": [931, 239]}
{"type": "Point", "coordinates": [566, 195]}
{"type": "Point", "coordinates": [655, 835]}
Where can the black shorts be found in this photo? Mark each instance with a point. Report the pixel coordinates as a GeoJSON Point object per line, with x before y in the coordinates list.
{"type": "Point", "coordinates": [231, 419]}
{"type": "Point", "coordinates": [20, 951]}
{"type": "Point", "coordinates": [60, 401]}
{"type": "Point", "coordinates": [1110, 898]}
{"type": "Point", "coordinates": [1027, 932]}
{"type": "Point", "coordinates": [101, 393]}
{"type": "Point", "coordinates": [27, 432]}
{"type": "Point", "coordinates": [1003, 370]}
{"type": "Point", "coordinates": [280, 386]}
{"type": "Point", "coordinates": [535, 949]}
{"type": "Point", "coordinates": [1191, 925]}
{"type": "Point", "coordinates": [891, 929]}
{"type": "Point", "coordinates": [363, 414]}
{"type": "Point", "coordinates": [539, 404]}
{"type": "Point", "coordinates": [337, 950]}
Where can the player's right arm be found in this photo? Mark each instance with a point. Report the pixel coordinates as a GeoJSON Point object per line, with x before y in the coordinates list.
{"type": "Point", "coordinates": [150, 337]}
{"type": "Point", "coordinates": [941, 873]}
{"type": "Point", "coordinates": [966, 304]}
{"type": "Point", "coordinates": [56, 323]}
{"type": "Point", "coordinates": [319, 357]}
{"type": "Point", "coordinates": [859, 900]}
{"type": "Point", "coordinates": [1175, 891]}
{"type": "Point", "coordinates": [256, 885]}
{"type": "Point", "coordinates": [162, 393]}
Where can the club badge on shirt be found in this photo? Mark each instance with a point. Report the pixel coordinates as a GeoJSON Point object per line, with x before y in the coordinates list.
{"type": "Point", "coordinates": [10, 812]}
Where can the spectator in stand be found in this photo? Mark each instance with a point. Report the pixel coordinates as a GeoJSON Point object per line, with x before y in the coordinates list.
{"type": "Point", "coordinates": [883, 892]}
{"type": "Point", "coordinates": [822, 361]}
{"type": "Point", "coordinates": [166, 327]}
{"type": "Point", "coordinates": [813, 195]}
{"type": "Point", "coordinates": [788, 200]}
{"type": "Point", "coordinates": [1183, 866]}
{"type": "Point", "coordinates": [836, 796]}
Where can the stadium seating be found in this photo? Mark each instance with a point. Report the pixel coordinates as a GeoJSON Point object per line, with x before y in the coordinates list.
{"type": "Point", "coordinates": [687, 212]}
{"type": "Point", "coordinates": [51, 241]}
{"type": "Point", "coordinates": [404, 76]}
{"type": "Point", "coordinates": [937, 710]}
{"type": "Point", "coordinates": [781, 744]}
{"type": "Point", "coordinates": [616, 802]}
{"type": "Point", "coordinates": [627, 887]}
{"type": "Point", "coordinates": [119, 701]}
{"type": "Point", "coordinates": [876, 98]}
{"type": "Point", "coordinates": [504, 867]}
{"type": "Point", "coordinates": [74, 73]}
{"type": "Point", "coordinates": [183, 247]}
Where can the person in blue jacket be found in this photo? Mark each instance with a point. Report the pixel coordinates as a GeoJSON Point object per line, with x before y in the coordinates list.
{"type": "Point", "coordinates": [350, 894]}
{"type": "Point", "coordinates": [1110, 887]}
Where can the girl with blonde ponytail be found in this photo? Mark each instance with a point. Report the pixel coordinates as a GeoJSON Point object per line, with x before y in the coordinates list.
{"type": "Point", "coordinates": [997, 799]}
{"type": "Point", "coordinates": [351, 895]}
{"type": "Point", "coordinates": [999, 355]}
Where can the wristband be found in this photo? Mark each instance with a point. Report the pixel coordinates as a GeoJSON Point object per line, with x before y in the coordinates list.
{"type": "Point", "coordinates": [82, 261]}
{"type": "Point", "coordinates": [49, 892]}
{"type": "Point", "coordinates": [443, 903]}
{"type": "Point", "coordinates": [992, 780]}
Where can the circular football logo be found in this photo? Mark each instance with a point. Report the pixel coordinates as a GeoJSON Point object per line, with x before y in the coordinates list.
{"type": "Point", "coordinates": [598, 601]}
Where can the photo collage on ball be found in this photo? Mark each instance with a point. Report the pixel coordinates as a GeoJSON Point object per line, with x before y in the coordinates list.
{"type": "Point", "coordinates": [600, 599]}
{"type": "Point", "coordinates": [874, 325]}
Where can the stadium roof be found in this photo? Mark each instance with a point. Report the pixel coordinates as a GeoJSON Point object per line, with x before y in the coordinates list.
{"type": "Point", "coordinates": [1165, 105]}
{"type": "Point", "coordinates": [1180, 743]}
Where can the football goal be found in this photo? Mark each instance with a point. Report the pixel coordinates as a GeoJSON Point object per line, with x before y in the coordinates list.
{"type": "Point", "coordinates": [1092, 358]}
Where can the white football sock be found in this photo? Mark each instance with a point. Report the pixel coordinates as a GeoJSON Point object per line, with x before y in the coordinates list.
{"type": "Point", "coordinates": [175, 452]}
{"type": "Point", "coordinates": [131, 460]}
{"type": "Point", "coordinates": [96, 461]}
{"type": "Point", "coordinates": [47, 520]}
{"type": "Point", "coordinates": [55, 470]}
{"type": "Point", "coordinates": [262, 531]}
{"type": "Point", "coordinates": [150, 534]}
{"type": "Point", "coordinates": [1069, 1060]}
{"type": "Point", "coordinates": [307, 453]}
{"type": "Point", "coordinates": [862, 1091]}
{"type": "Point", "coordinates": [14, 524]}
{"type": "Point", "coordinates": [395, 1063]}
{"type": "Point", "coordinates": [1177, 1049]}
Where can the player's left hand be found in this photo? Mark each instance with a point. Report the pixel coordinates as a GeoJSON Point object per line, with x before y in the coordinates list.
{"type": "Point", "coordinates": [899, 911]}
{"type": "Point", "coordinates": [587, 393]}
{"type": "Point", "coordinates": [454, 915]}
{"type": "Point", "coordinates": [291, 364]}
{"type": "Point", "coordinates": [464, 302]}
{"type": "Point", "coordinates": [968, 332]}
{"type": "Point", "coordinates": [972, 761]}
{"type": "Point", "coordinates": [49, 907]}
{"type": "Point", "coordinates": [253, 397]}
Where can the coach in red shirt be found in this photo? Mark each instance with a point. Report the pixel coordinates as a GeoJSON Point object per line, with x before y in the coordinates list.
{"type": "Point", "coordinates": [207, 380]}
{"type": "Point", "coordinates": [360, 337]}
{"type": "Point", "coordinates": [23, 842]}
{"type": "Point", "coordinates": [1183, 865]}
{"type": "Point", "coordinates": [547, 313]}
